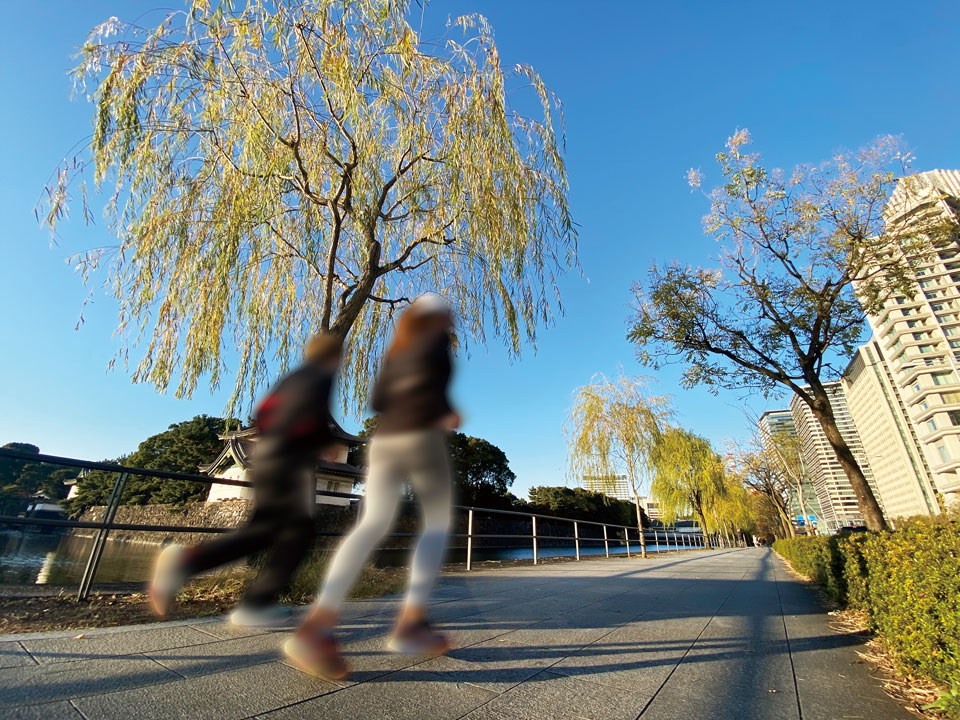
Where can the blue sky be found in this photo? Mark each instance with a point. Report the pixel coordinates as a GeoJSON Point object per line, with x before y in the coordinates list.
{"type": "Point", "coordinates": [649, 89]}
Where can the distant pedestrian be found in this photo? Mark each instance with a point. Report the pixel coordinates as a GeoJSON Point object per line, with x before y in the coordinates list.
{"type": "Point", "coordinates": [293, 431]}
{"type": "Point", "coordinates": [409, 444]}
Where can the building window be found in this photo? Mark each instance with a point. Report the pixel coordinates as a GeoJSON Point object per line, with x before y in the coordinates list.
{"type": "Point", "coordinates": [931, 424]}
{"type": "Point", "coordinates": [954, 416]}
{"type": "Point", "coordinates": [911, 323]}
{"type": "Point", "coordinates": [901, 300]}
{"type": "Point", "coordinates": [944, 455]}
{"type": "Point", "coordinates": [937, 307]}
{"type": "Point", "coordinates": [925, 349]}
{"type": "Point", "coordinates": [942, 378]}
{"type": "Point", "coordinates": [918, 336]}
{"type": "Point", "coordinates": [924, 405]}
{"type": "Point", "coordinates": [951, 397]}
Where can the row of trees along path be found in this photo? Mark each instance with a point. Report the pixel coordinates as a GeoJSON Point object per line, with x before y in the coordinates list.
{"type": "Point", "coordinates": [803, 256]}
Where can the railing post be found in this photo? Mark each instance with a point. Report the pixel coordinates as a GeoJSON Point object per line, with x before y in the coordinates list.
{"type": "Point", "coordinates": [96, 552]}
{"type": "Point", "coordinates": [606, 543]}
{"type": "Point", "coordinates": [534, 539]}
{"type": "Point", "coordinates": [576, 538]}
{"type": "Point", "coordinates": [470, 539]}
{"type": "Point", "coordinates": [656, 540]}
{"type": "Point", "coordinates": [676, 542]}
{"type": "Point", "coordinates": [626, 538]}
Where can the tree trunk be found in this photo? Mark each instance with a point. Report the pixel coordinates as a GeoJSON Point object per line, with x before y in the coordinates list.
{"type": "Point", "coordinates": [785, 521]}
{"type": "Point", "coordinates": [869, 507]}
{"type": "Point", "coordinates": [703, 529]}
{"type": "Point", "coordinates": [643, 541]}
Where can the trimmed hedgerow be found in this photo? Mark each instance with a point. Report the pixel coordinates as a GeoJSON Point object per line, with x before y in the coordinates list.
{"type": "Point", "coordinates": [906, 581]}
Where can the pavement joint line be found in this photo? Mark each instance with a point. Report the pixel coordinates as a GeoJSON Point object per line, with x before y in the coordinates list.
{"type": "Point", "coordinates": [687, 651]}
{"type": "Point", "coordinates": [77, 709]}
{"type": "Point", "coordinates": [29, 654]}
{"type": "Point", "coordinates": [786, 634]}
{"type": "Point", "coordinates": [112, 630]}
{"type": "Point", "coordinates": [140, 652]}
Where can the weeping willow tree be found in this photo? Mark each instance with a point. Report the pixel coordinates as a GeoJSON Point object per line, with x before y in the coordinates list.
{"type": "Point", "coordinates": [272, 168]}
{"type": "Point", "coordinates": [611, 430]}
{"type": "Point", "coordinates": [688, 478]}
{"type": "Point", "coordinates": [733, 513]}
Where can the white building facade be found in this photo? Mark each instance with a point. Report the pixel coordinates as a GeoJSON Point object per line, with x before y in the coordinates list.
{"type": "Point", "coordinates": [900, 470]}
{"type": "Point", "coordinates": [918, 337]}
{"type": "Point", "coordinates": [837, 500]}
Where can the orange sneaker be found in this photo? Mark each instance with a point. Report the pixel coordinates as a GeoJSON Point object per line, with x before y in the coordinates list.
{"type": "Point", "coordinates": [316, 653]}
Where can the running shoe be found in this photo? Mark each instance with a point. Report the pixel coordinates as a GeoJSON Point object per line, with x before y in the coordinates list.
{"type": "Point", "coordinates": [418, 638]}
{"type": "Point", "coordinates": [169, 576]}
{"type": "Point", "coordinates": [317, 654]}
{"type": "Point", "coordinates": [270, 616]}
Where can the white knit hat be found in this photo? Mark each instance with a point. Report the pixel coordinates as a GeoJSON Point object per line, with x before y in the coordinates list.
{"type": "Point", "coordinates": [431, 304]}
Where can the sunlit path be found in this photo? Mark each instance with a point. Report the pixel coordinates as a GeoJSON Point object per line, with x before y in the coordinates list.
{"type": "Point", "coordinates": [713, 634]}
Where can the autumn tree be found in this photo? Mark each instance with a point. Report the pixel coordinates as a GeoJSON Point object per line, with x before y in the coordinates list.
{"type": "Point", "coordinates": [781, 305]}
{"type": "Point", "coordinates": [688, 478]}
{"type": "Point", "coordinates": [762, 471]}
{"type": "Point", "coordinates": [276, 168]}
{"type": "Point", "coordinates": [611, 430]}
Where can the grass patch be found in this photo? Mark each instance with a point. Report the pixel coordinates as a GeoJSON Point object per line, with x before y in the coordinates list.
{"type": "Point", "coordinates": [205, 596]}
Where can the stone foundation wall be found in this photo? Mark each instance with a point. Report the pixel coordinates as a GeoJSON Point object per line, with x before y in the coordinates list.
{"type": "Point", "coordinates": [330, 518]}
{"type": "Point", "coordinates": [226, 514]}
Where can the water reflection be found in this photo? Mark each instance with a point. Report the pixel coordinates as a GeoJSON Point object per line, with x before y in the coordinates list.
{"type": "Point", "coordinates": [31, 558]}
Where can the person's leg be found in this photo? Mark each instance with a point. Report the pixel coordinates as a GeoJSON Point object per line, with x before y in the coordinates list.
{"type": "Point", "coordinates": [176, 564]}
{"type": "Point", "coordinates": [294, 511]}
{"type": "Point", "coordinates": [313, 648]}
{"type": "Point", "coordinates": [379, 508]}
{"type": "Point", "coordinates": [433, 480]}
{"type": "Point", "coordinates": [290, 547]}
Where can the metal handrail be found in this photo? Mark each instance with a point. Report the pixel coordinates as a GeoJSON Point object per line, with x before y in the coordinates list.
{"type": "Point", "coordinates": [103, 527]}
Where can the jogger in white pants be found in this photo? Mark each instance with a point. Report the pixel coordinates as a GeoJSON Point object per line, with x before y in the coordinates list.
{"type": "Point", "coordinates": [420, 457]}
{"type": "Point", "coordinates": [414, 416]}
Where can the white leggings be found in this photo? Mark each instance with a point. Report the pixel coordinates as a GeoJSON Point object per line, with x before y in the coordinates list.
{"type": "Point", "coordinates": [422, 458]}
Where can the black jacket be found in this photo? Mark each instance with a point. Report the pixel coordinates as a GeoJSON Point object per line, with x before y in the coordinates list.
{"type": "Point", "coordinates": [294, 418]}
{"type": "Point", "coordinates": [411, 391]}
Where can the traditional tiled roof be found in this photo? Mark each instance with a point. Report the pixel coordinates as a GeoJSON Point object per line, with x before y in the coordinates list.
{"type": "Point", "coordinates": [238, 445]}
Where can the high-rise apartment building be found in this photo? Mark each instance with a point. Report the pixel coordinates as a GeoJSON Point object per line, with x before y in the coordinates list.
{"type": "Point", "coordinates": [615, 486]}
{"type": "Point", "coordinates": [803, 503]}
{"type": "Point", "coordinates": [837, 500]}
{"type": "Point", "coordinates": [889, 437]}
{"type": "Point", "coordinates": [919, 337]}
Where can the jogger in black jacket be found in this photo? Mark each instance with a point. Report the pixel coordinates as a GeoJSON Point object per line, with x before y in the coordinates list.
{"type": "Point", "coordinates": [293, 431]}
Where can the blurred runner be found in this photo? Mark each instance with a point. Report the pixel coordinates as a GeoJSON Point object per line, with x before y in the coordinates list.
{"type": "Point", "coordinates": [293, 424]}
{"type": "Point", "coordinates": [409, 445]}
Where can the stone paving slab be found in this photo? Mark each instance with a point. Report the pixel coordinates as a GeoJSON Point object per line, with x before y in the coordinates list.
{"type": "Point", "coordinates": [63, 681]}
{"type": "Point", "coordinates": [726, 634]}
{"type": "Point", "coordinates": [13, 654]}
{"type": "Point", "coordinates": [63, 710]}
{"type": "Point", "coordinates": [236, 694]}
{"type": "Point", "coordinates": [66, 649]}
{"type": "Point", "coordinates": [403, 695]}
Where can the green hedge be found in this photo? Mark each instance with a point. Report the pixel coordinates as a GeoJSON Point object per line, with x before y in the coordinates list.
{"type": "Point", "coordinates": [908, 583]}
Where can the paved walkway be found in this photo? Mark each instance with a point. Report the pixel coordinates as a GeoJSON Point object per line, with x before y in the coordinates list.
{"type": "Point", "coordinates": [694, 636]}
